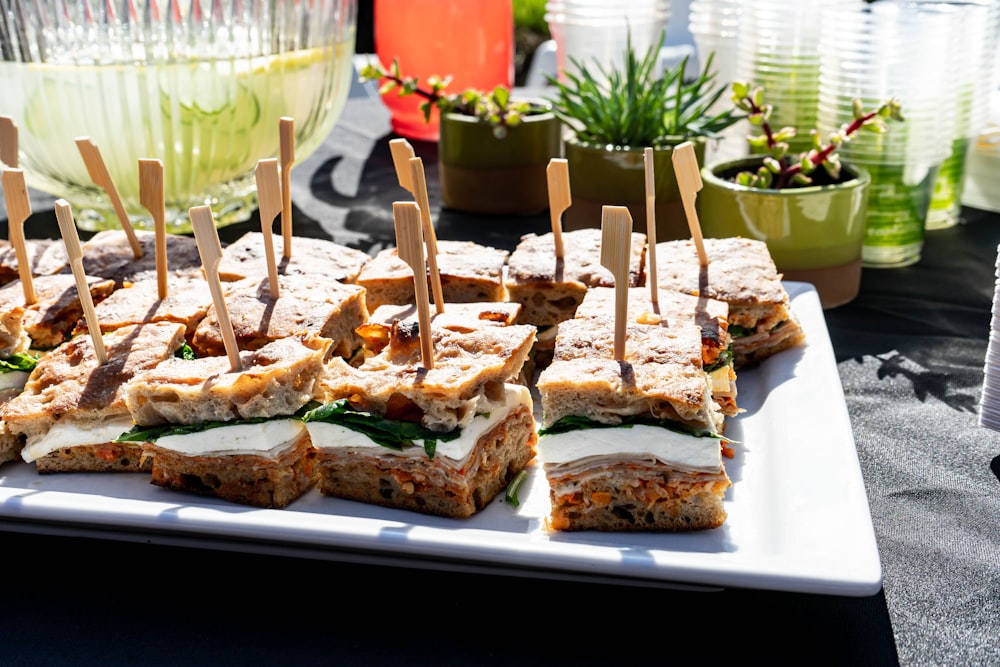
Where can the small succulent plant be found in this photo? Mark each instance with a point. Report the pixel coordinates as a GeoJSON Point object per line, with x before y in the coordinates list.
{"type": "Point", "coordinates": [632, 106]}
{"type": "Point", "coordinates": [495, 107]}
{"type": "Point", "coordinates": [780, 169]}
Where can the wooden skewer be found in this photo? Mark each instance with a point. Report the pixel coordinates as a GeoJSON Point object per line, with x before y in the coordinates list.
{"type": "Point", "coordinates": [269, 200]}
{"type": "Point", "coordinates": [15, 194]}
{"type": "Point", "coordinates": [402, 153]}
{"type": "Point", "coordinates": [151, 196]}
{"type": "Point", "coordinates": [430, 236]}
{"type": "Point", "coordinates": [410, 246]}
{"type": "Point", "coordinates": [207, 238]}
{"type": "Point", "coordinates": [689, 183]}
{"type": "Point", "coordinates": [557, 174]}
{"type": "Point", "coordinates": [286, 129]}
{"type": "Point", "coordinates": [67, 226]}
{"type": "Point", "coordinates": [99, 174]}
{"type": "Point", "coordinates": [8, 142]}
{"type": "Point", "coordinates": [616, 237]}
{"type": "Point", "coordinates": [647, 161]}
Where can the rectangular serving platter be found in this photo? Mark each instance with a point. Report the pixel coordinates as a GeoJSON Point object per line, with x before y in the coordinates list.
{"type": "Point", "coordinates": [798, 515]}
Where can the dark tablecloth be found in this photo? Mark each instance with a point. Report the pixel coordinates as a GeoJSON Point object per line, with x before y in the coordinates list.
{"type": "Point", "coordinates": [910, 353]}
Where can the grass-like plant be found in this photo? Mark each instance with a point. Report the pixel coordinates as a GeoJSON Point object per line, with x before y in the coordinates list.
{"type": "Point", "coordinates": [781, 169]}
{"type": "Point", "coordinates": [633, 107]}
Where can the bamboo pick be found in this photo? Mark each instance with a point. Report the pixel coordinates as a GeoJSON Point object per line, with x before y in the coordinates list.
{"type": "Point", "coordinates": [15, 194]}
{"type": "Point", "coordinates": [8, 142]}
{"type": "Point", "coordinates": [99, 174]}
{"type": "Point", "coordinates": [616, 237]}
{"type": "Point", "coordinates": [286, 130]}
{"type": "Point", "coordinates": [647, 161]}
{"type": "Point", "coordinates": [689, 183]}
{"type": "Point", "coordinates": [406, 215]}
{"type": "Point", "coordinates": [67, 226]}
{"type": "Point", "coordinates": [207, 238]}
{"type": "Point", "coordinates": [557, 175]}
{"type": "Point", "coordinates": [402, 153]}
{"type": "Point", "coordinates": [151, 196]}
{"type": "Point", "coordinates": [269, 200]}
{"type": "Point", "coordinates": [430, 236]}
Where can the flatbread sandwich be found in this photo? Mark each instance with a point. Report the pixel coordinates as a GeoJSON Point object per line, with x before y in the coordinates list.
{"type": "Point", "coordinates": [441, 440]}
{"type": "Point", "coordinates": [742, 273]}
{"type": "Point", "coordinates": [72, 408]}
{"type": "Point", "coordinates": [234, 434]}
{"type": "Point", "coordinates": [632, 444]}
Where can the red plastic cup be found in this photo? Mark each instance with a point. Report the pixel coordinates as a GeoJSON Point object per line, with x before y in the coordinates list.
{"type": "Point", "coordinates": [470, 40]}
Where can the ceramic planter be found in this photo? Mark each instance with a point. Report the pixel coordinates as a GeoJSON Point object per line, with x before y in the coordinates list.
{"type": "Point", "coordinates": [483, 174]}
{"type": "Point", "coordinates": [611, 175]}
{"type": "Point", "coordinates": [815, 233]}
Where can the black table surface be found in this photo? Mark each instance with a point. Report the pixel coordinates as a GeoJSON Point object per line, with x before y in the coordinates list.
{"type": "Point", "coordinates": [910, 352]}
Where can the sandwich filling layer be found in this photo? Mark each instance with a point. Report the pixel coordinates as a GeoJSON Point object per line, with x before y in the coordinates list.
{"type": "Point", "coordinates": [267, 438]}
{"type": "Point", "coordinates": [328, 436]}
{"type": "Point", "coordinates": [67, 433]}
{"type": "Point", "coordinates": [577, 450]}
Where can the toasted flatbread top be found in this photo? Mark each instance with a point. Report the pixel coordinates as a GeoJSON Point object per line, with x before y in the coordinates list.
{"type": "Point", "coordinates": [310, 256]}
{"type": "Point", "coordinates": [57, 306]}
{"type": "Point", "coordinates": [304, 305]}
{"type": "Point", "coordinates": [534, 259]}
{"type": "Point", "coordinates": [671, 308]}
{"type": "Point", "coordinates": [45, 256]}
{"type": "Point", "coordinates": [70, 378]}
{"type": "Point", "coordinates": [109, 254]}
{"type": "Point", "coordinates": [188, 299]}
{"type": "Point", "coordinates": [661, 375]}
{"type": "Point", "coordinates": [276, 379]}
{"type": "Point", "coordinates": [456, 317]}
{"type": "Point", "coordinates": [395, 383]}
{"type": "Point", "coordinates": [739, 271]}
{"type": "Point", "coordinates": [456, 259]}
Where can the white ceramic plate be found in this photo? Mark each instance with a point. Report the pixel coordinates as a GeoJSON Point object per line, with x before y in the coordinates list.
{"type": "Point", "coordinates": [798, 514]}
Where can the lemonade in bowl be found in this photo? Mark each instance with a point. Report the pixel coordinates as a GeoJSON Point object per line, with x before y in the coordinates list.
{"type": "Point", "coordinates": [205, 98]}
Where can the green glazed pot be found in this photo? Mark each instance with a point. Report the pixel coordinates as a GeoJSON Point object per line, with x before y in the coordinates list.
{"type": "Point", "coordinates": [482, 174]}
{"type": "Point", "coordinates": [615, 176]}
{"type": "Point", "coordinates": [815, 233]}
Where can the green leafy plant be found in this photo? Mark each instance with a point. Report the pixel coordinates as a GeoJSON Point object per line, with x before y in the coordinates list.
{"type": "Point", "coordinates": [495, 107]}
{"type": "Point", "coordinates": [780, 169]}
{"type": "Point", "coordinates": [633, 107]}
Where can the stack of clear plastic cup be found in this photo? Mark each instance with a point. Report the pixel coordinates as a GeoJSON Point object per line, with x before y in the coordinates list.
{"type": "Point", "coordinates": [873, 52]}
{"type": "Point", "coordinates": [595, 33]}
{"type": "Point", "coordinates": [971, 61]}
{"type": "Point", "coordinates": [715, 27]}
{"type": "Point", "coordinates": [780, 52]}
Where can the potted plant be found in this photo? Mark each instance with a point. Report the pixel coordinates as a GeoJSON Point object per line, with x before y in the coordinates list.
{"type": "Point", "coordinates": [493, 148]}
{"type": "Point", "coordinates": [810, 208]}
{"type": "Point", "coordinates": [612, 115]}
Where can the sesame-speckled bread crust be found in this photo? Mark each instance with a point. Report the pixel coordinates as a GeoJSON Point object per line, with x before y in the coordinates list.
{"type": "Point", "coordinates": [661, 376]}
{"type": "Point", "coordinates": [739, 271]}
{"type": "Point", "coordinates": [109, 254]}
{"type": "Point", "coordinates": [245, 258]}
{"type": "Point", "coordinates": [549, 290]}
{"type": "Point", "coordinates": [456, 316]}
{"type": "Point", "coordinates": [469, 272]}
{"type": "Point", "coordinates": [45, 257]}
{"type": "Point", "coordinates": [742, 273]}
{"type": "Point", "coordinates": [57, 308]}
{"type": "Point", "coordinates": [305, 306]}
{"type": "Point", "coordinates": [188, 299]}
{"type": "Point", "coordinates": [443, 397]}
{"type": "Point", "coordinates": [70, 379]}
{"type": "Point", "coordinates": [277, 379]}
